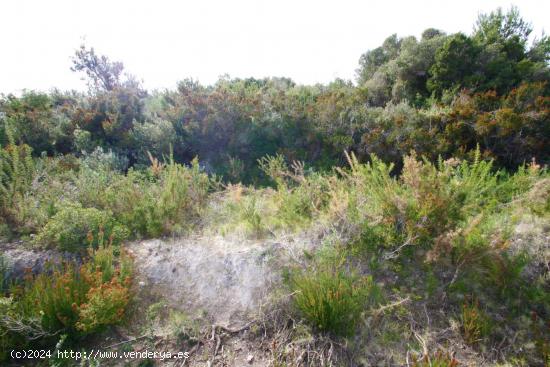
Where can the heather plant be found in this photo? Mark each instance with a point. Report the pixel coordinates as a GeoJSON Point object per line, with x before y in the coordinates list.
{"type": "Point", "coordinates": [474, 322]}
{"type": "Point", "coordinates": [90, 184]}
{"type": "Point", "coordinates": [110, 262]}
{"type": "Point", "coordinates": [109, 279]}
{"type": "Point", "coordinates": [69, 299]}
{"type": "Point", "coordinates": [298, 205]}
{"type": "Point", "coordinates": [182, 196]}
{"type": "Point", "coordinates": [300, 194]}
{"type": "Point", "coordinates": [105, 303]}
{"type": "Point", "coordinates": [252, 217]}
{"type": "Point", "coordinates": [55, 298]}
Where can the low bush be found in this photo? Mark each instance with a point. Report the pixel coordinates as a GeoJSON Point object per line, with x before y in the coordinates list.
{"type": "Point", "coordinates": [74, 228]}
{"type": "Point", "coordinates": [133, 200]}
{"type": "Point", "coordinates": [182, 197]}
{"type": "Point", "coordinates": [105, 305]}
{"type": "Point", "coordinates": [54, 298]}
{"type": "Point", "coordinates": [300, 204]}
{"type": "Point", "coordinates": [252, 217]}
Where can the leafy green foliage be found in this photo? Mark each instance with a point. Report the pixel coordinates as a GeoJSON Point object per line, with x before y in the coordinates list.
{"type": "Point", "coordinates": [454, 65]}
{"type": "Point", "coordinates": [74, 228]}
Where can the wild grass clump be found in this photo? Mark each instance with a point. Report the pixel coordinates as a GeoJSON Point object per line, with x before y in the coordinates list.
{"type": "Point", "coordinates": [332, 299]}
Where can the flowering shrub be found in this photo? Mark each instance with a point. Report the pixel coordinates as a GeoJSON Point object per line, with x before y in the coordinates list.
{"type": "Point", "coordinates": [78, 301]}
{"type": "Point", "coordinates": [105, 305]}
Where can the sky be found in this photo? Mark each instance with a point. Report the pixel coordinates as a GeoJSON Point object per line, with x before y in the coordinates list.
{"type": "Point", "coordinates": [162, 42]}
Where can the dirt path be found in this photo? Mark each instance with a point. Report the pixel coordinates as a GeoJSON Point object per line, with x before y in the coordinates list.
{"type": "Point", "coordinates": [225, 280]}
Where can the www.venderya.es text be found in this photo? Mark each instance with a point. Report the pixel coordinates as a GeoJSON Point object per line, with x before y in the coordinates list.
{"type": "Point", "coordinates": [96, 354]}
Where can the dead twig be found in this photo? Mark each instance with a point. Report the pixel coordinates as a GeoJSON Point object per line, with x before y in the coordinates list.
{"type": "Point", "coordinates": [31, 328]}
{"type": "Point", "coordinates": [384, 308]}
{"type": "Point", "coordinates": [393, 254]}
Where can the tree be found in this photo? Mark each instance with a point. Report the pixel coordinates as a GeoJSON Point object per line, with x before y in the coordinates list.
{"type": "Point", "coordinates": [103, 73]}
{"type": "Point", "coordinates": [114, 105]}
{"type": "Point", "coordinates": [497, 27]}
{"type": "Point", "coordinates": [371, 60]}
{"type": "Point", "coordinates": [505, 60]}
{"type": "Point", "coordinates": [430, 33]}
{"type": "Point", "coordinates": [455, 65]}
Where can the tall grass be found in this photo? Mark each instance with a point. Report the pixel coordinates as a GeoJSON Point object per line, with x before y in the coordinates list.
{"type": "Point", "coordinates": [332, 300]}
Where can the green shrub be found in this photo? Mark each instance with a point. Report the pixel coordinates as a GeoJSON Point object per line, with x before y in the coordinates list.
{"type": "Point", "coordinates": [168, 198]}
{"type": "Point", "coordinates": [109, 261]}
{"type": "Point", "coordinates": [100, 160]}
{"type": "Point", "coordinates": [74, 228]}
{"type": "Point", "coordinates": [92, 183]}
{"type": "Point", "coordinates": [133, 200]}
{"type": "Point", "coordinates": [330, 299]}
{"type": "Point", "coordinates": [108, 277]}
{"type": "Point", "coordinates": [182, 197]}
{"type": "Point", "coordinates": [299, 204]}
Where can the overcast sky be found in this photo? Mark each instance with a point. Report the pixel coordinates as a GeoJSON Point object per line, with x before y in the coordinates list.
{"type": "Point", "coordinates": [162, 42]}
